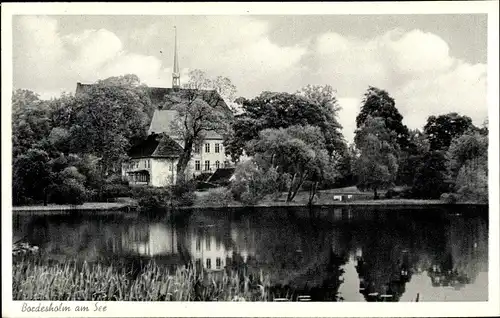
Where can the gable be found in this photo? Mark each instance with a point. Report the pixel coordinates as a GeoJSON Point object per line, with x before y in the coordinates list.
{"type": "Point", "coordinates": [163, 120]}
{"type": "Point", "coordinates": [160, 95]}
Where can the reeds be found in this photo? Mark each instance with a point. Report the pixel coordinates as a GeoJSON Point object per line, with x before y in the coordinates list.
{"type": "Point", "coordinates": [37, 280]}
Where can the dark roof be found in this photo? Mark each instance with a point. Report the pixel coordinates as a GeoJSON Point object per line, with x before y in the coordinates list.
{"type": "Point", "coordinates": [156, 146]}
{"type": "Point", "coordinates": [221, 175]}
{"type": "Point", "coordinates": [158, 95]}
{"type": "Point", "coordinates": [162, 123]}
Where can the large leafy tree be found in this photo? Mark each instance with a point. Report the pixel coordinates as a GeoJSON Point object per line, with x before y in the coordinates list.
{"type": "Point", "coordinates": [32, 175]}
{"type": "Point", "coordinates": [106, 120]}
{"type": "Point", "coordinates": [431, 178]}
{"type": "Point", "coordinates": [281, 110]}
{"type": "Point", "coordinates": [199, 80]}
{"type": "Point", "coordinates": [442, 129]}
{"type": "Point", "coordinates": [378, 103]}
{"type": "Point", "coordinates": [31, 122]}
{"type": "Point", "coordinates": [194, 119]}
{"type": "Point", "coordinates": [325, 97]}
{"type": "Point", "coordinates": [377, 164]}
{"type": "Point", "coordinates": [468, 166]}
{"type": "Point", "coordinates": [297, 151]}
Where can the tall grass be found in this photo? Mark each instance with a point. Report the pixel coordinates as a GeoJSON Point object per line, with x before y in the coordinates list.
{"type": "Point", "coordinates": [36, 280]}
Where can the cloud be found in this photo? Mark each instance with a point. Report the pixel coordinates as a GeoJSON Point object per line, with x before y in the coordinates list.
{"type": "Point", "coordinates": [49, 63]}
{"type": "Point", "coordinates": [415, 67]}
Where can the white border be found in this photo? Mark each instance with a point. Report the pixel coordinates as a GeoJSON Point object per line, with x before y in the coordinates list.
{"type": "Point", "coordinates": [183, 309]}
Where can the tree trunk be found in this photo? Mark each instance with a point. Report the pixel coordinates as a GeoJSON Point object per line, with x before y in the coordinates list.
{"type": "Point", "coordinates": [183, 161]}
{"type": "Point", "coordinates": [302, 179]}
{"type": "Point", "coordinates": [45, 197]}
{"type": "Point", "coordinates": [289, 196]}
{"type": "Point", "coordinates": [312, 192]}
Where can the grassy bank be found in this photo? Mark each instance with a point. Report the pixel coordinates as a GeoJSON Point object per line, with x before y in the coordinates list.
{"type": "Point", "coordinates": [35, 280]}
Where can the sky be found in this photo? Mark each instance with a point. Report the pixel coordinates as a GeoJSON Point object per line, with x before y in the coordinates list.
{"type": "Point", "coordinates": [430, 64]}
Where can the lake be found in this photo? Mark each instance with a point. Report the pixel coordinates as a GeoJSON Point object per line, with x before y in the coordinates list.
{"type": "Point", "coordinates": [332, 254]}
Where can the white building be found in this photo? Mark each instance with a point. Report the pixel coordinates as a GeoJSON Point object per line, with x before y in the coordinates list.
{"type": "Point", "coordinates": [207, 156]}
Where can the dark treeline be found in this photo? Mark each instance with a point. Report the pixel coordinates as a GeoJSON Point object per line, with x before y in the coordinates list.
{"type": "Point", "coordinates": [70, 149]}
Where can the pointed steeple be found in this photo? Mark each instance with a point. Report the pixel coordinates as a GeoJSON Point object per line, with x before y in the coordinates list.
{"type": "Point", "coordinates": [176, 76]}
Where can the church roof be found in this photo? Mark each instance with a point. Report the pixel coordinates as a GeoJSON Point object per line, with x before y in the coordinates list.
{"type": "Point", "coordinates": [162, 123]}
{"type": "Point", "coordinates": [156, 146]}
{"type": "Point", "coordinates": [158, 96]}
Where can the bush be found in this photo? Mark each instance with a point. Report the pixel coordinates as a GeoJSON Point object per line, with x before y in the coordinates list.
{"type": "Point", "coordinates": [216, 197]}
{"type": "Point", "coordinates": [152, 198]}
{"type": "Point", "coordinates": [71, 191]}
{"type": "Point", "coordinates": [114, 190]}
{"type": "Point", "coordinates": [449, 198]}
{"type": "Point", "coordinates": [391, 193]}
{"type": "Point", "coordinates": [184, 193]}
{"type": "Point", "coordinates": [253, 183]}
{"type": "Point", "coordinates": [407, 194]}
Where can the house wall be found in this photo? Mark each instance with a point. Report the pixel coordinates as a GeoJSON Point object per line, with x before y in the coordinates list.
{"type": "Point", "coordinates": [163, 171]}
{"type": "Point", "coordinates": [136, 165]}
{"type": "Point", "coordinates": [210, 156]}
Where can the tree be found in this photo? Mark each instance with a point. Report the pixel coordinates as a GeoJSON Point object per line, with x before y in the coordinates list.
{"type": "Point", "coordinates": [377, 164]}
{"type": "Point", "coordinates": [32, 176]}
{"type": "Point", "coordinates": [472, 180]}
{"type": "Point", "coordinates": [325, 97]}
{"type": "Point", "coordinates": [298, 151]}
{"type": "Point", "coordinates": [467, 147]}
{"type": "Point", "coordinates": [418, 145]}
{"type": "Point", "coordinates": [431, 176]}
{"type": "Point", "coordinates": [280, 110]}
{"type": "Point", "coordinates": [106, 121]}
{"type": "Point", "coordinates": [31, 123]}
{"type": "Point", "coordinates": [253, 182]}
{"type": "Point", "coordinates": [200, 81]}
{"type": "Point", "coordinates": [195, 118]}
{"type": "Point", "coordinates": [442, 129]}
{"type": "Point", "coordinates": [378, 103]}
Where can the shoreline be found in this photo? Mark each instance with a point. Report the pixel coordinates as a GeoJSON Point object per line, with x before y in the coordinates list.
{"type": "Point", "coordinates": [103, 208]}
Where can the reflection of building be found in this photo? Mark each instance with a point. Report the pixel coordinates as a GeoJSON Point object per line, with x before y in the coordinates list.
{"type": "Point", "coordinates": [151, 239]}
{"type": "Point", "coordinates": [208, 251]}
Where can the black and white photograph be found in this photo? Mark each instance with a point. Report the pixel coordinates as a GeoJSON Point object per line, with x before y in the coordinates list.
{"type": "Point", "coordinates": [283, 157]}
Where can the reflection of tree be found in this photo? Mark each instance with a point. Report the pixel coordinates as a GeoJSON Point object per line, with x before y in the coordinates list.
{"type": "Point", "coordinates": [298, 256]}
{"type": "Point", "coordinates": [385, 264]}
{"type": "Point", "coordinates": [464, 254]}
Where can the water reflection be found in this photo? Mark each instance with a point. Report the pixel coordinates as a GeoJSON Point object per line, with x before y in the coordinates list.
{"type": "Point", "coordinates": [330, 255]}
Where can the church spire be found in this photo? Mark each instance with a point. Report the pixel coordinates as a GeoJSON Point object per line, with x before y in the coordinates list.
{"type": "Point", "coordinates": [176, 76]}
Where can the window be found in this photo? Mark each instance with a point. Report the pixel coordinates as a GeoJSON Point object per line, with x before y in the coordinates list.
{"type": "Point", "coordinates": [197, 165]}
{"type": "Point", "coordinates": [209, 263]}
{"type": "Point", "coordinates": [217, 149]}
{"type": "Point", "coordinates": [217, 164]}
{"type": "Point", "coordinates": [207, 165]}
{"type": "Point", "coordinates": [217, 242]}
{"type": "Point", "coordinates": [197, 148]}
{"type": "Point", "coordinates": [198, 243]}
{"type": "Point", "coordinates": [207, 148]}
{"type": "Point", "coordinates": [207, 243]}
{"type": "Point", "coordinates": [198, 263]}
{"type": "Point", "coordinates": [218, 263]}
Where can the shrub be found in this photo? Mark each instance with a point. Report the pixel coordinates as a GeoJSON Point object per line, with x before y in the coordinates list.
{"type": "Point", "coordinates": [407, 194]}
{"type": "Point", "coordinates": [152, 198]}
{"type": "Point", "coordinates": [449, 198]}
{"type": "Point", "coordinates": [71, 191]}
{"type": "Point", "coordinates": [216, 197]}
{"type": "Point", "coordinates": [114, 190]}
{"type": "Point", "coordinates": [184, 193]}
{"type": "Point", "coordinates": [389, 194]}
{"type": "Point", "coordinates": [472, 181]}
